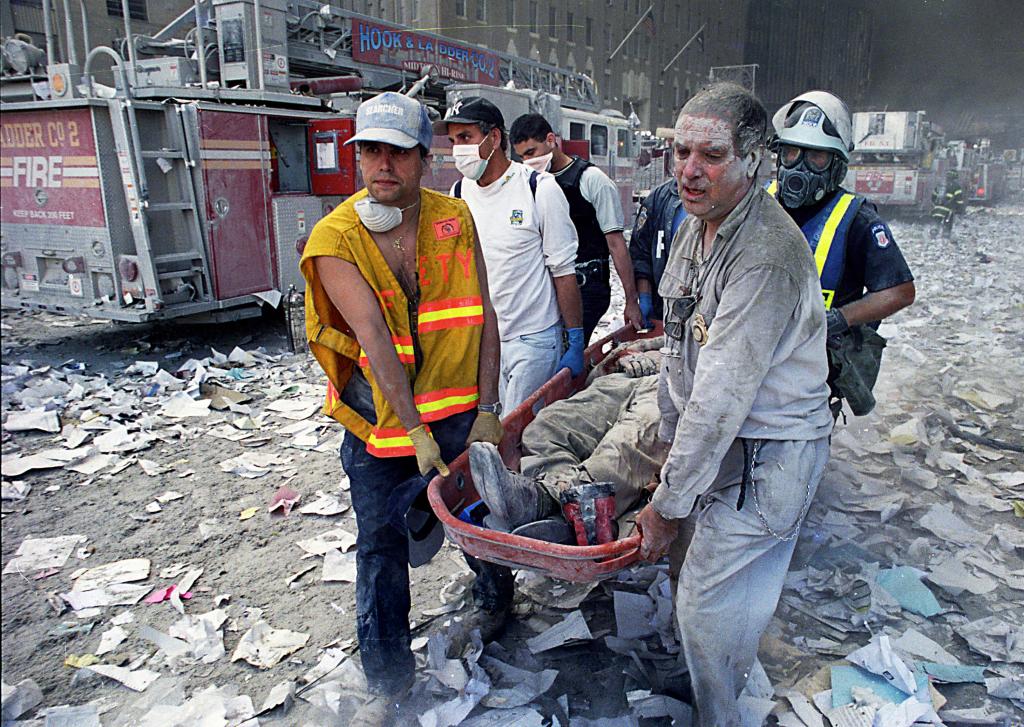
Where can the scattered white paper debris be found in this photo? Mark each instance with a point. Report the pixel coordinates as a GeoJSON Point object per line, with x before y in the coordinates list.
{"type": "Point", "coordinates": [110, 640]}
{"type": "Point", "coordinates": [264, 646]}
{"type": "Point", "coordinates": [33, 419]}
{"type": "Point", "coordinates": [325, 504]}
{"type": "Point", "coordinates": [36, 554]}
{"type": "Point", "coordinates": [572, 628]}
{"type": "Point", "coordinates": [182, 406]}
{"type": "Point", "coordinates": [335, 539]}
{"type": "Point", "coordinates": [339, 566]}
{"type": "Point", "coordinates": [137, 680]}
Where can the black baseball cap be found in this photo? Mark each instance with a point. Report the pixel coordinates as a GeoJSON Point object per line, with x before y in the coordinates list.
{"type": "Point", "coordinates": [470, 111]}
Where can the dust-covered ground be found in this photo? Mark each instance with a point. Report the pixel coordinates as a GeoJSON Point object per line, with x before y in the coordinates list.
{"type": "Point", "coordinates": [932, 480]}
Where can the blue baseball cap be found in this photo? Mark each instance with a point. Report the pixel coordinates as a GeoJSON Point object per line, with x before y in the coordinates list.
{"type": "Point", "coordinates": [392, 118]}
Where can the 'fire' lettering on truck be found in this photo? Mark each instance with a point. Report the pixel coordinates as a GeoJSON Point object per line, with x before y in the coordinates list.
{"type": "Point", "coordinates": [48, 169]}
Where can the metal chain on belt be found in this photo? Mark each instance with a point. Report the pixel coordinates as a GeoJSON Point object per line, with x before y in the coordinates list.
{"type": "Point", "coordinates": [794, 529]}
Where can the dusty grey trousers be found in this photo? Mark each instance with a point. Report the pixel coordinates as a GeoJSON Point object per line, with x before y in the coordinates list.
{"type": "Point", "coordinates": [734, 569]}
{"type": "Point", "coordinates": [605, 433]}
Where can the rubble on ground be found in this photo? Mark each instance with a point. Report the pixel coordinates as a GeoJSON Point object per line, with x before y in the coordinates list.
{"type": "Point", "coordinates": [146, 583]}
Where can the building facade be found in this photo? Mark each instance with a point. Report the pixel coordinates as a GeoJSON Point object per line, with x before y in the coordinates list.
{"type": "Point", "coordinates": [648, 74]}
{"type": "Point", "coordinates": [796, 51]}
{"type": "Point", "coordinates": [104, 21]}
{"type": "Point", "coordinates": [581, 35]}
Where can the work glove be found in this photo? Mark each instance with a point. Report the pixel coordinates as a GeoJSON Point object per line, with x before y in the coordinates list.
{"type": "Point", "coordinates": [638, 364]}
{"type": "Point", "coordinates": [486, 428]}
{"type": "Point", "coordinates": [572, 359]}
{"type": "Point", "coordinates": [428, 454]}
{"type": "Point", "coordinates": [837, 326]}
{"type": "Point", "coordinates": [646, 308]}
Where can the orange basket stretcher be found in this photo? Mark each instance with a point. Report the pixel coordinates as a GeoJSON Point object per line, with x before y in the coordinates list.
{"type": "Point", "coordinates": [450, 495]}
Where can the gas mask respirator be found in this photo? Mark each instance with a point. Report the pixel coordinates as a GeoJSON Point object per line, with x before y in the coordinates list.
{"type": "Point", "coordinates": [802, 183]}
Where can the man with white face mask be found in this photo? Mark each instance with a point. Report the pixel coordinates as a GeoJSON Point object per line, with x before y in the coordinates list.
{"type": "Point", "coordinates": [743, 397]}
{"type": "Point", "coordinates": [596, 211]}
{"type": "Point", "coordinates": [398, 316]}
{"type": "Point", "coordinates": [529, 244]}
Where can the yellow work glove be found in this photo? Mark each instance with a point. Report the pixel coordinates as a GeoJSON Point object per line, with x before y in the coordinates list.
{"type": "Point", "coordinates": [428, 454]}
{"type": "Point", "coordinates": [486, 428]}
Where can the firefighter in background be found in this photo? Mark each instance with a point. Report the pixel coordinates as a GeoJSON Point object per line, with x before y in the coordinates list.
{"type": "Point", "coordinates": [948, 205]}
{"type": "Point", "coordinates": [864, 277]}
{"type": "Point", "coordinates": [399, 317]}
{"type": "Point", "coordinates": [656, 223]}
{"type": "Point", "coordinates": [596, 212]}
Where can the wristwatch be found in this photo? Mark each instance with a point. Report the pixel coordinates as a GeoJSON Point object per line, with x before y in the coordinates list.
{"type": "Point", "coordinates": [494, 408]}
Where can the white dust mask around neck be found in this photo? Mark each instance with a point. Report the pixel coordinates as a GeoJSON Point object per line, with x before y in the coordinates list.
{"type": "Point", "coordinates": [541, 163]}
{"type": "Point", "coordinates": [377, 217]}
{"type": "Point", "coordinates": [468, 160]}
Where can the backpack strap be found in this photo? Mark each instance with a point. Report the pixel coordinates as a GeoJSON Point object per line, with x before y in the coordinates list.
{"type": "Point", "coordinates": [534, 176]}
{"type": "Point", "coordinates": [458, 189]}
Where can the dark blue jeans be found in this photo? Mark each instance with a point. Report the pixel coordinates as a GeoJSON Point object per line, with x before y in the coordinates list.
{"type": "Point", "coordinates": [382, 557]}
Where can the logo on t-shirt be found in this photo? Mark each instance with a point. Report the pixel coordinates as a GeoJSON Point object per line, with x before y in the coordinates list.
{"type": "Point", "coordinates": [516, 218]}
{"type": "Point", "coordinates": [880, 234]}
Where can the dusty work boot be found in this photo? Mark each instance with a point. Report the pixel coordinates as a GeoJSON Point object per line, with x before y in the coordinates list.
{"type": "Point", "coordinates": [490, 625]}
{"type": "Point", "coordinates": [512, 498]}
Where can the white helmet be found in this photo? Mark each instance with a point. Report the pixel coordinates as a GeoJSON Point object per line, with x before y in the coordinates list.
{"type": "Point", "coordinates": [821, 121]}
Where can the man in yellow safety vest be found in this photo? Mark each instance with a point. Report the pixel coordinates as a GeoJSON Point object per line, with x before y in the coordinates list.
{"type": "Point", "coordinates": [399, 317]}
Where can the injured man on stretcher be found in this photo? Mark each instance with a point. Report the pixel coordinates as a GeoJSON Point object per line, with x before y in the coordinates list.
{"type": "Point", "coordinates": [587, 460]}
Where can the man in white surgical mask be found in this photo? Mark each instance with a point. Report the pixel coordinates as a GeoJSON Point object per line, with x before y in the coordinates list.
{"type": "Point", "coordinates": [596, 210]}
{"type": "Point", "coordinates": [529, 245]}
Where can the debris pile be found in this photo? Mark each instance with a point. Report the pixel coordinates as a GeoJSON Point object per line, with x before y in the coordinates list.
{"type": "Point", "coordinates": [178, 547]}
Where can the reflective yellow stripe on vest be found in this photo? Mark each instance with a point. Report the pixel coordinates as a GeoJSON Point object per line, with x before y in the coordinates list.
{"type": "Point", "coordinates": [389, 443]}
{"type": "Point", "coordinates": [403, 347]}
{"type": "Point", "coordinates": [446, 402]}
{"type": "Point", "coordinates": [828, 234]}
{"type": "Point", "coordinates": [452, 313]}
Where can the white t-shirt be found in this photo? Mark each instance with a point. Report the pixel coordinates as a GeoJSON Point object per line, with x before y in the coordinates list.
{"type": "Point", "coordinates": [598, 189]}
{"type": "Point", "coordinates": [526, 241]}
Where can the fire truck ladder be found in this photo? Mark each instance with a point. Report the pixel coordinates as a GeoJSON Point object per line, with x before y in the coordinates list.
{"type": "Point", "coordinates": [162, 204]}
{"type": "Point", "coordinates": [319, 45]}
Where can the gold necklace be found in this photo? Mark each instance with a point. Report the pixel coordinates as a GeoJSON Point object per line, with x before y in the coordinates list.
{"type": "Point", "coordinates": [397, 243]}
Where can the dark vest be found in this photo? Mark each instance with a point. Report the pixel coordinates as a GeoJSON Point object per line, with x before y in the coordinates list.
{"type": "Point", "coordinates": [826, 234]}
{"type": "Point", "coordinates": [593, 245]}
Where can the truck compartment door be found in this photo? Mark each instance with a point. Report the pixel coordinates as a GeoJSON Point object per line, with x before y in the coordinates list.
{"type": "Point", "coordinates": [235, 154]}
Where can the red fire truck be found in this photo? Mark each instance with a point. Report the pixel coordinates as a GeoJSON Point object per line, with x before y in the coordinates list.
{"type": "Point", "coordinates": [895, 161]}
{"type": "Point", "coordinates": [183, 189]}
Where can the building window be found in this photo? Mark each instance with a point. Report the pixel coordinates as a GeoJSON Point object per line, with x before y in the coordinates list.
{"type": "Point", "coordinates": [608, 38]}
{"type": "Point", "coordinates": [136, 9]}
{"type": "Point", "coordinates": [460, 8]}
{"type": "Point", "coordinates": [590, 32]}
{"type": "Point", "coordinates": [552, 18]}
{"type": "Point", "coordinates": [510, 13]}
{"type": "Point", "coordinates": [569, 32]}
{"type": "Point", "coordinates": [533, 16]}
{"type": "Point", "coordinates": [481, 9]}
